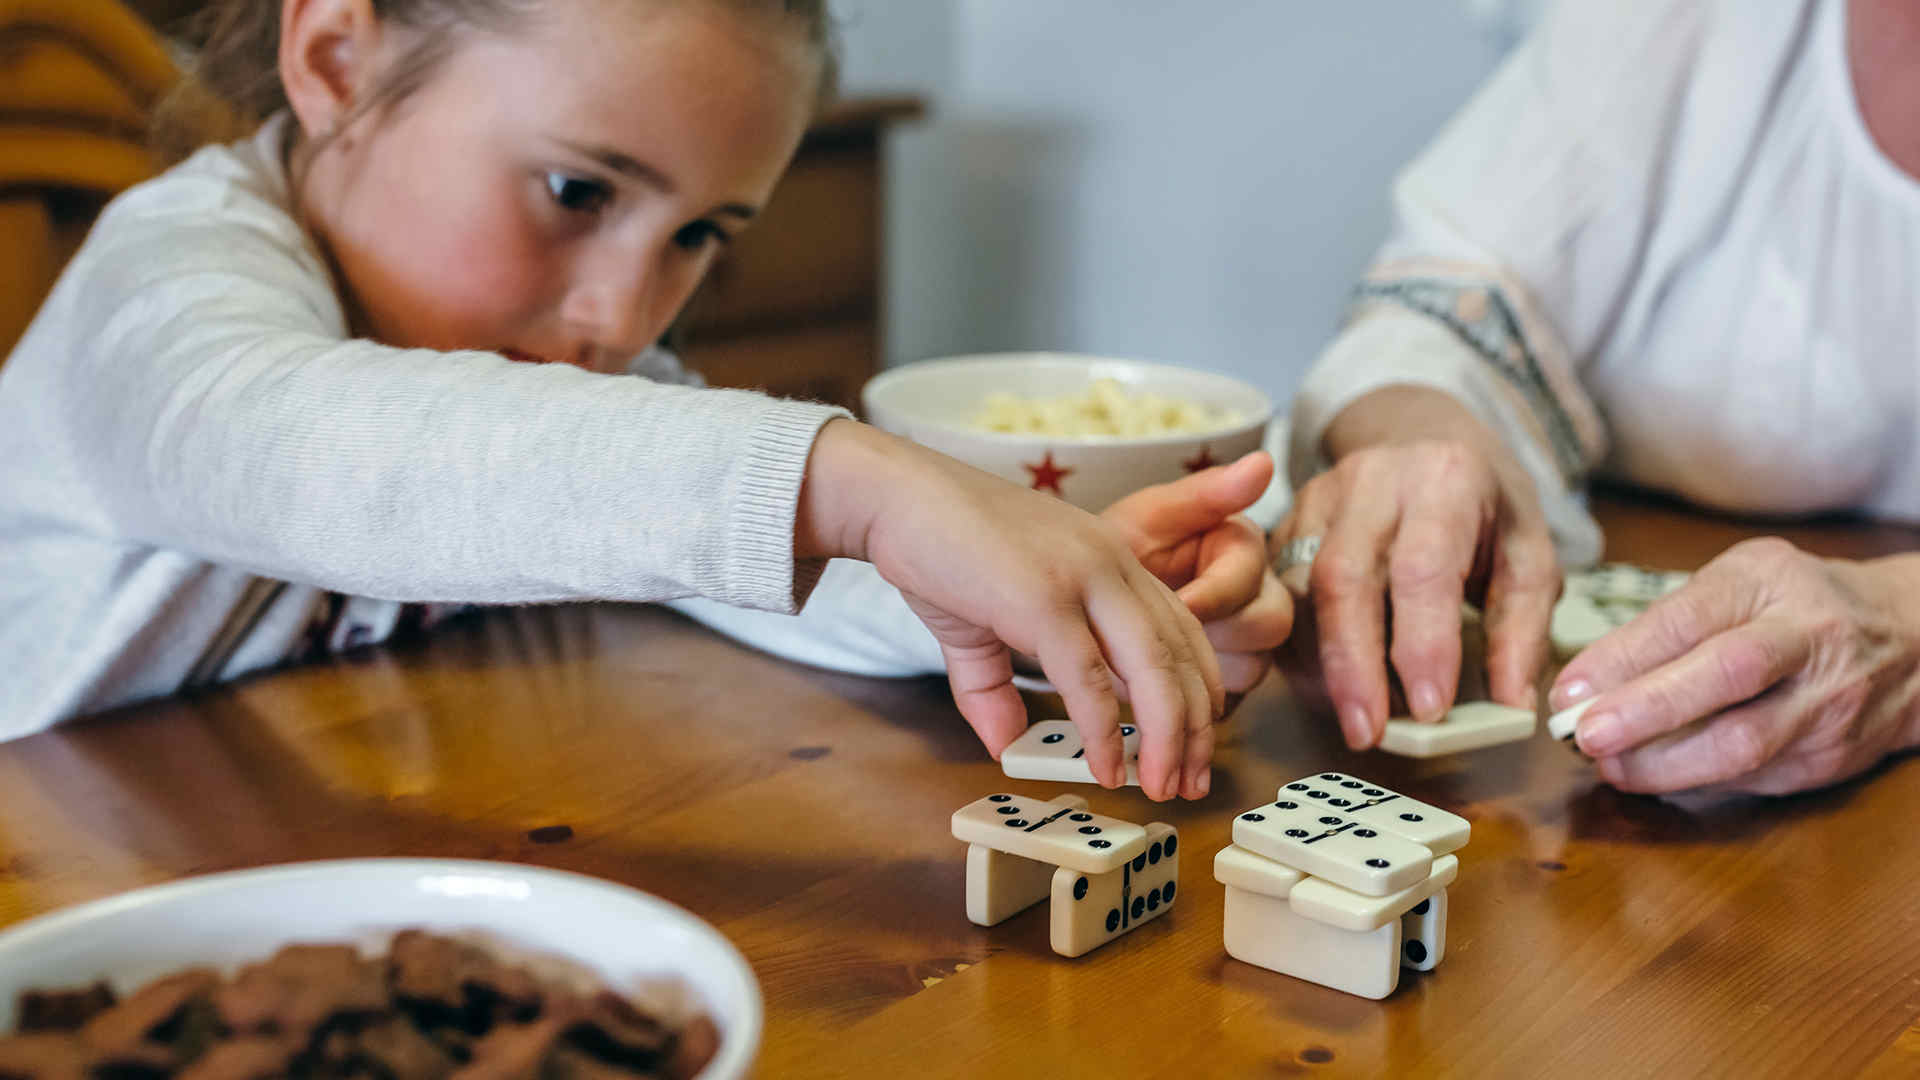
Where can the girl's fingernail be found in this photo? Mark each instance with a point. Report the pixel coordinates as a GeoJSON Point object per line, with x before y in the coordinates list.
{"type": "Point", "coordinates": [1599, 734]}
{"type": "Point", "coordinates": [1425, 700]}
{"type": "Point", "coordinates": [1205, 783]}
{"type": "Point", "coordinates": [1572, 693]}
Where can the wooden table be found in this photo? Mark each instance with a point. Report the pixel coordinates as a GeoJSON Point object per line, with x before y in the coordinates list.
{"type": "Point", "coordinates": [805, 814]}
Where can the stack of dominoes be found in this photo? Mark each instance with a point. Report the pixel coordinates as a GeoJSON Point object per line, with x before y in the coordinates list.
{"type": "Point", "coordinates": [1105, 876]}
{"type": "Point", "coordinates": [1340, 882]}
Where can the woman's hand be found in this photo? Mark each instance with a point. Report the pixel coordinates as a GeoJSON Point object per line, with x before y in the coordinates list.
{"type": "Point", "coordinates": [988, 565]}
{"type": "Point", "coordinates": [1422, 510]}
{"type": "Point", "coordinates": [1190, 534]}
{"type": "Point", "coordinates": [1771, 671]}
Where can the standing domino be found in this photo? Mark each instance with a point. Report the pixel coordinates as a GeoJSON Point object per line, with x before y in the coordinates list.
{"type": "Point", "coordinates": [1090, 910]}
{"type": "Point", "coordinates": [1423, 933]}
{"type": "Point", "coordinates": [1000, 886]}
{"type": "Point", "coordinates": [1052, 750]}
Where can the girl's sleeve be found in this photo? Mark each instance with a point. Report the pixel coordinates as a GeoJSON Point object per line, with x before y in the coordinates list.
{"type": "Point", "coordinates": [854, 621]}
{"type": "Point", "coordinates": [1516, 235]}
{"type": "Point", "coordinates": [208, 403]}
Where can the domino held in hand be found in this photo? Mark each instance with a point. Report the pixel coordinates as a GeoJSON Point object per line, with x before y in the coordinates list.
{"type": "Point", "coordinates": [1053, 750]}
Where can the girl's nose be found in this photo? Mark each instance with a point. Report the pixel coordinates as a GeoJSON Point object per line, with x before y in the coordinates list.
{"type": "Point", "coordinates": [611, 310]}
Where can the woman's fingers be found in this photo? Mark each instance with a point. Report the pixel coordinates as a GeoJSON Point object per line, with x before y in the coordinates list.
{"type": "Point", "coordinates": [1721, 749]}
{"type": "Point", "coordinates": [1348, 583]}
{"type": "Point", "coordinates": [1521, 592]}
{"type": "Point", "coordinates": [1725, 671]}
{"type": "Point", "coordinates": [1427, 565]}
{"type": "Point", "coordinates": [1717, 598]}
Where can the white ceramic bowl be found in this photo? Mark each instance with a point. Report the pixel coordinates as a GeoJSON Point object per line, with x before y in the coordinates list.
{"type": "Point", "coordinates": [933, 403]}
{"type": "Point", "coordinates": [634, 942]}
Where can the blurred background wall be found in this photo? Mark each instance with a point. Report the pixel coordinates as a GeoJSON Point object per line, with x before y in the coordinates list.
{"type": "Point", "coordinates": [1197, 183]}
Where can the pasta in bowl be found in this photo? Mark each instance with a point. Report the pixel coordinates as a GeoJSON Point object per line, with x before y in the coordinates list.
{"type": "Point", "coordinates": [1088, 429]}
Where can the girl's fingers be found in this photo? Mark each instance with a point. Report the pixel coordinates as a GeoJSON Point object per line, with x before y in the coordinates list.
{"type": "Point", "coordinates": [1723, 672]}
{"type": "Point", "coordinates": [1233, 562]}
{"type": "Point", "coordinates": [1165, 514]}
{"type": "Point", "coordinates": [1261, 626]}
{"type": "Point", "coordinates": [1211, 702]}
{"type": "Point", "coordinates": [1073, 661]}
{"type": "Point", "coordinates": [1242, 671]}
{"type": "Point", "coordinates": [982, 682]}
{"type": "Point", "coordinates": [1148, 660]}
{"type": "Point", "coordinates": [1199, 672]}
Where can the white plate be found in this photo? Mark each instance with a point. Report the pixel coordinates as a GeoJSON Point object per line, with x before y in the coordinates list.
{"type": "Point", "coordinates": [633, 942]}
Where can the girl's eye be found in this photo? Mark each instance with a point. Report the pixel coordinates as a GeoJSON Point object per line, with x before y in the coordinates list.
{"type": "Point", "coordinates": [578, 195]}
{"type": "Point", "coordinates": [698, 234]}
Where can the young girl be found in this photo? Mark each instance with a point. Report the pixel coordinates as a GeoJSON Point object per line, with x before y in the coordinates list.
{"type": "Point", "coordinates": [370, 358]}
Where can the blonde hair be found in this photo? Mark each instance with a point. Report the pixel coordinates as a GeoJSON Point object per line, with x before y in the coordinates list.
{"type": "Point", "coordinates": [234, 83]}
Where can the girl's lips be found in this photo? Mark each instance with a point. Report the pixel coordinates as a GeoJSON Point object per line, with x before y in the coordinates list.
{"type": "Point", "coordinates": [579, 359]}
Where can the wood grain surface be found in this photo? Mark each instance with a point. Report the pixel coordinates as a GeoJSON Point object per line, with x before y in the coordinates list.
{"type": "Point", "coordinates": [806, 815]}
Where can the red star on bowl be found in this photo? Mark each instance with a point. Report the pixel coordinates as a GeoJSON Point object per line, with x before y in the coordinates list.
{"type": "Point", "coordinates": [1202, 460]}
{"type": "Point", "coordinates": [1047, 475]}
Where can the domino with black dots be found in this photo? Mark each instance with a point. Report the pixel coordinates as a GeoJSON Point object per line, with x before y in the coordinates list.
{"type": "Point", "coordinates": [1090, 910]}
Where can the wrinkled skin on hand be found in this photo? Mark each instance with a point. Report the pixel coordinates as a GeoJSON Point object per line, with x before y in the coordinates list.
{"type": "Point", "coordinates": [1771, 671]}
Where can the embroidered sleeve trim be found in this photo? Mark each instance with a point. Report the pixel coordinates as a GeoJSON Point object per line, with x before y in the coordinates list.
{"type": "Point", "coordinates": [1480, 315]}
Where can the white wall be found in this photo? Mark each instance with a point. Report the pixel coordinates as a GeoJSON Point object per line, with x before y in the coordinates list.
{"type": "Point", "coordinates": [1199, 183]}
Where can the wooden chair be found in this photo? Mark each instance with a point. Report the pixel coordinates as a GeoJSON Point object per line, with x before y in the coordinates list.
{"type": "Point", "coordinates": [78, 83]}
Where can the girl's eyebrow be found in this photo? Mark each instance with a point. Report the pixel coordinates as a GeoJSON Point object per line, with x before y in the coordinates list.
{"type": "Point", "coordinates": [647, 174]}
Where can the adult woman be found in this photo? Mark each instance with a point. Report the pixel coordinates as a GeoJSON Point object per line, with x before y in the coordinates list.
{"type": "Point", "coordinates": [1677, 242]}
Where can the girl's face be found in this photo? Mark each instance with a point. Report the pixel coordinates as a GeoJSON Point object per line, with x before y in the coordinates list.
{"type": "Point", "coordinates": [557, 193]}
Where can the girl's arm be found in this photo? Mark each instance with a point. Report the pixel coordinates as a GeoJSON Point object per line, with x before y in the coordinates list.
{"type": "Point", "coordinates": [193, 376]}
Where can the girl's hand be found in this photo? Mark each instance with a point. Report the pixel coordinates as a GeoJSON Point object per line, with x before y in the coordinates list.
{"type": "Point", "coordinates": [1423, 509]}
{"type": "Point", "coordinates": [988, 565]}
{"type": "Point", "coordinates": [1191, 535]}
{"type": "Point", "coordinates": [1771, 671]}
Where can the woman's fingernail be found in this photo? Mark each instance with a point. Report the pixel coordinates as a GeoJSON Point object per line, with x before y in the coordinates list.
{"type": "Point", "coordinates": [1357, 726]}
{"type": "Point", "coordinates": [1425, 700]}
{"type": "Point", "coordinates": [1599, 734]}
{"type": "Point", "coordinates": [1205, 783]}
{"type": "Point", "coordinates": [1567, 694]}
